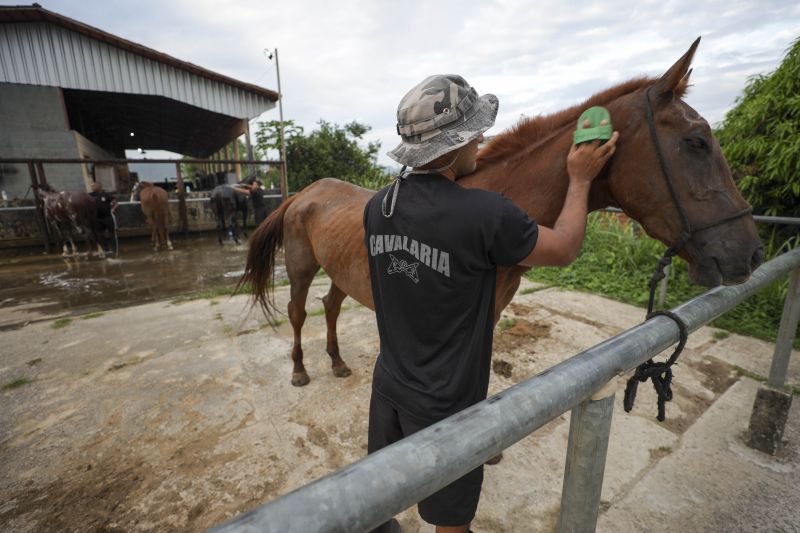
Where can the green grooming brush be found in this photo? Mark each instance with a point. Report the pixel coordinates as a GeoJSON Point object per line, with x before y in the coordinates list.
{"type": "Point", "coordinates": [594, 115]}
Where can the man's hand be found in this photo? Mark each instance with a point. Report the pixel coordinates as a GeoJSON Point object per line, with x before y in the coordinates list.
{"type": "Point", "coordinates": [584, 162]}
{"type": "Point", "coordinates": [560, 245]}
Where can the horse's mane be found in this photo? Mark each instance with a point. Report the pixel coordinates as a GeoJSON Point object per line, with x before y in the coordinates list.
{"type": "Point", "coordinates": [528, 131]}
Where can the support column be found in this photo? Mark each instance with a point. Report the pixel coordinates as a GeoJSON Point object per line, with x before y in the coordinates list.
{"type": "Point", "coordinates": [589, 428]}
{"type": "Point", "coordinates": [774, 400]}
{"type": "Point", "coordinates": [182, 216]}
{"type": "Point", "coordinates": [41, 221]}
{"type": "Point", "coordinates": [236, 157]}
{"type": "Point", "coordinates": [249, 146]}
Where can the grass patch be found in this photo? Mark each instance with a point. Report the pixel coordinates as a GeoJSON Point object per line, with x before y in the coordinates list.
{"type": "Point", "coordinates": [87, 316]}
{"type": "Point", "coordinates": [746, 373]}
{"type": "Point", "coordinates": [61, 323]}
{"type": "Point", "coordinates": [213, 302]}
{"type": "Point", "coordinates": [506, 323]}
{"type": "Point", "coordinates": [16, 383]}
{"type": "Point", "coordinates": [719, 335]}
{"type": "Point", "coordinates": [215, 292]}
{"type": "Point", "coordinates": [617, 261]}
{"type": "Point", "coordinates": [218, 316]}
{"type": "Point", "coordinates": [531, 290]}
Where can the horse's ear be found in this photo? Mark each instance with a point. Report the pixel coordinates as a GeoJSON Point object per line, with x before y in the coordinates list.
{"type": "Point", "coordinates": [676, 79]}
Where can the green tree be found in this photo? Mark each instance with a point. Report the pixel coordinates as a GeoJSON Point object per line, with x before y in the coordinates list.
{"type": "Point", "coordinates": [761, 139]}
{"type": "Point", "coordinates": [329, 151]}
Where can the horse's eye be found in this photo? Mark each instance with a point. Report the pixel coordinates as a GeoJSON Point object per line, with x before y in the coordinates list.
{"type": "Point", "coordinates": [698, 143]}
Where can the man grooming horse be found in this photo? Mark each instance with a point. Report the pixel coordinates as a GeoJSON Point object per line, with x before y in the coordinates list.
{"type": "Point", "coordinates": [433, 249]}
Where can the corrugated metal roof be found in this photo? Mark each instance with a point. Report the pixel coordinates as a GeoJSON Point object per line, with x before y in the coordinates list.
{"type": "Point", "coordinates": [38, 47]}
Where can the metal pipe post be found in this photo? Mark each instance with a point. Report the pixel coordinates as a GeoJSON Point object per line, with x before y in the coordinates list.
{"type": "Point", "coordinates": [786, 332]}
{"type": "Point", "coordinates": [184, 219]}
{"type": "Point", "coordinates": [284, 170]}
{"type": "Point", "coordinates": [41, 220]}
{"type": "Point", "coordinates": [249, 145]}
{"type": "Point", "coordinates": [589, 428]}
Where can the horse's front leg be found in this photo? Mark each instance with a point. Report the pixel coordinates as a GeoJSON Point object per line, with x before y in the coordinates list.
{"type": "Point", "coordinates": [333, 305]}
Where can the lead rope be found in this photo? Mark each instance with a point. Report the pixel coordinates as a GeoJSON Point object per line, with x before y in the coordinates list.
{"type": "Point", "coordinates": [660, 373]}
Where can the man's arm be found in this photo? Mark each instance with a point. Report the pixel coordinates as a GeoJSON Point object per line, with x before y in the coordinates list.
{"type": "Point", "coordinates": [560, 246]}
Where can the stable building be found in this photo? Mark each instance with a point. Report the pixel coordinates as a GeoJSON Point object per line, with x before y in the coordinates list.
{"type": "Point", "coordinates": [72, 91]}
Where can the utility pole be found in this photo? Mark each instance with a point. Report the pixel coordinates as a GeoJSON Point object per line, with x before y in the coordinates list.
{"type": "Point", "coordinates": [284, 175]}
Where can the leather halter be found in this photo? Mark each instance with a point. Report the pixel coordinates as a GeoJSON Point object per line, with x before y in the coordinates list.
{"type": "Point", "coordinates": [660, 373]}
{"type": "Point", "coordinates": [687, 229]}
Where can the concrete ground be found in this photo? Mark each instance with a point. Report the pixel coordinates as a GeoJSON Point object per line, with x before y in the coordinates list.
{"type": "Point", "coordinates": [176, 416]}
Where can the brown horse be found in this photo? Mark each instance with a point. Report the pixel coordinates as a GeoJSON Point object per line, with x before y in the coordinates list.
{"type": "Point", "coordinates": [155, 206]}
{"type": "Point", "coordinates": [71, 213]}
{"type": "Point", "coordinates": [322, 225]}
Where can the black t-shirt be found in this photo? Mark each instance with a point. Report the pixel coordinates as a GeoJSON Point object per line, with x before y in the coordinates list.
{"type": "Point", "coordinates": [257, 195]}
{"type": "Point", "coordinates": [103, 201]}
{"type": "Point", "coordinates": [433, 265]}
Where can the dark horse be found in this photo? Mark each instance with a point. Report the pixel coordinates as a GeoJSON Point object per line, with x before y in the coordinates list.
{"type": "Point", "coordinates": [71, 213]}
{"type": "Point", "coordinates": [226, 202]}
{"type": "Point", "coordinates": [322, 225]}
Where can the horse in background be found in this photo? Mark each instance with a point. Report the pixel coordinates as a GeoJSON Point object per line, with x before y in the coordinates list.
{"type": "Point", "coordinates": [71, 213]}
{"type": "Point", "coordinates": [226, 202]}
{"type": "Point", "coordinates": [154, 202]}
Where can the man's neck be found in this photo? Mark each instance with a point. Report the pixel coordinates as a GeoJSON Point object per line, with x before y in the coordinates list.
{"type": "Point", "coordinates": [448, 173]}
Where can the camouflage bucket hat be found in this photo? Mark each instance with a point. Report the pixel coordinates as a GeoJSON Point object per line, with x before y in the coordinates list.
{"type": "Point", "coordinates": [441, 114]}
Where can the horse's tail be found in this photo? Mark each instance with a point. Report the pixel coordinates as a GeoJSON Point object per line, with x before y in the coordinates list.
{"type": "Point", "coordinates": [259, 272]}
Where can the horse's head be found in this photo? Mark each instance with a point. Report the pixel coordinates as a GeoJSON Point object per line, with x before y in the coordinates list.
{"type": "Point", "coordinates": [670, 175]}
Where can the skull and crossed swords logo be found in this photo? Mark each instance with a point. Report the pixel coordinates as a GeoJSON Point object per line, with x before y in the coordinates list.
{"type": "Point", "coordinates": [400, 265]}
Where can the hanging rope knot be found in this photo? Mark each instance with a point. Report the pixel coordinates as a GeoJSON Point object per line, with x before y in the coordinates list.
{"type": "Point", "coordinates": [660, 373]}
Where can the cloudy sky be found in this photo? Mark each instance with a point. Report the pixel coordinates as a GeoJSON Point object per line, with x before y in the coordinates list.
{"type": "Point", "coordinates": [344, 60]}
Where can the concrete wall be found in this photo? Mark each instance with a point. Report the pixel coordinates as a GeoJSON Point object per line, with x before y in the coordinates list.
{"type": "Point", "coordinates": [33, 124]}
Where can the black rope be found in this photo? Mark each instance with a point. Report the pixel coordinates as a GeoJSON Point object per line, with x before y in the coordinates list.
{"type": "Point", "coordinates": [660, 373]}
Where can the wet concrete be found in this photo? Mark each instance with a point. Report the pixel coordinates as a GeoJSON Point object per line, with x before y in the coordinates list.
{"type": "Point", "coordinates": [36, 286]}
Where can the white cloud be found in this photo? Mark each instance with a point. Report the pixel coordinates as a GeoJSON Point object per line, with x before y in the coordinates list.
{"type": "Point", "coordinates": [355, 59]}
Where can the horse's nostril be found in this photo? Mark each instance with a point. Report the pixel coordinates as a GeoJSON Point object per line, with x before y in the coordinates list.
{"type": "Point", "coordinates": [757, 259]}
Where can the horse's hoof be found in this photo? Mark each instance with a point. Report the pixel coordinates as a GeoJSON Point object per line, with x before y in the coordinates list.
{"type": "Point", "coordinates": [341, 371]}
{"type": "Point", "coordinates": [496, 459]}
{"type": "Point", "coordinates": [300, 379]}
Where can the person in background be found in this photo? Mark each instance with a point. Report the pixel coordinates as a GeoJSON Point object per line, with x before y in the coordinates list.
{"type": "Point", "coordinates": [106, 207]}
{"type": "Point", "coordinates": [256, 194]}
{"type": "Point", "coordinates": [259, 207]}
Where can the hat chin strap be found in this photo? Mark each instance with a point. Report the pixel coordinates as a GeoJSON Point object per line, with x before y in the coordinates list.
{"type": "Point", "coordinates": [441, 169]}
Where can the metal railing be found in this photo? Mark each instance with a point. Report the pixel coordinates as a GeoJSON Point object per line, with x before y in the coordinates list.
{"type": "Point", "coordinates": [367, 493]}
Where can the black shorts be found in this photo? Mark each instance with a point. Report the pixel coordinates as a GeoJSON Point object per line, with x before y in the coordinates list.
{"type": "Point", "coordinates": [455, 504]}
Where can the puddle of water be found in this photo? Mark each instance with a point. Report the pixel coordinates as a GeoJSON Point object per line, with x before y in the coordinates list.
{"type": "Point", "coordinates": [50, 284]}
